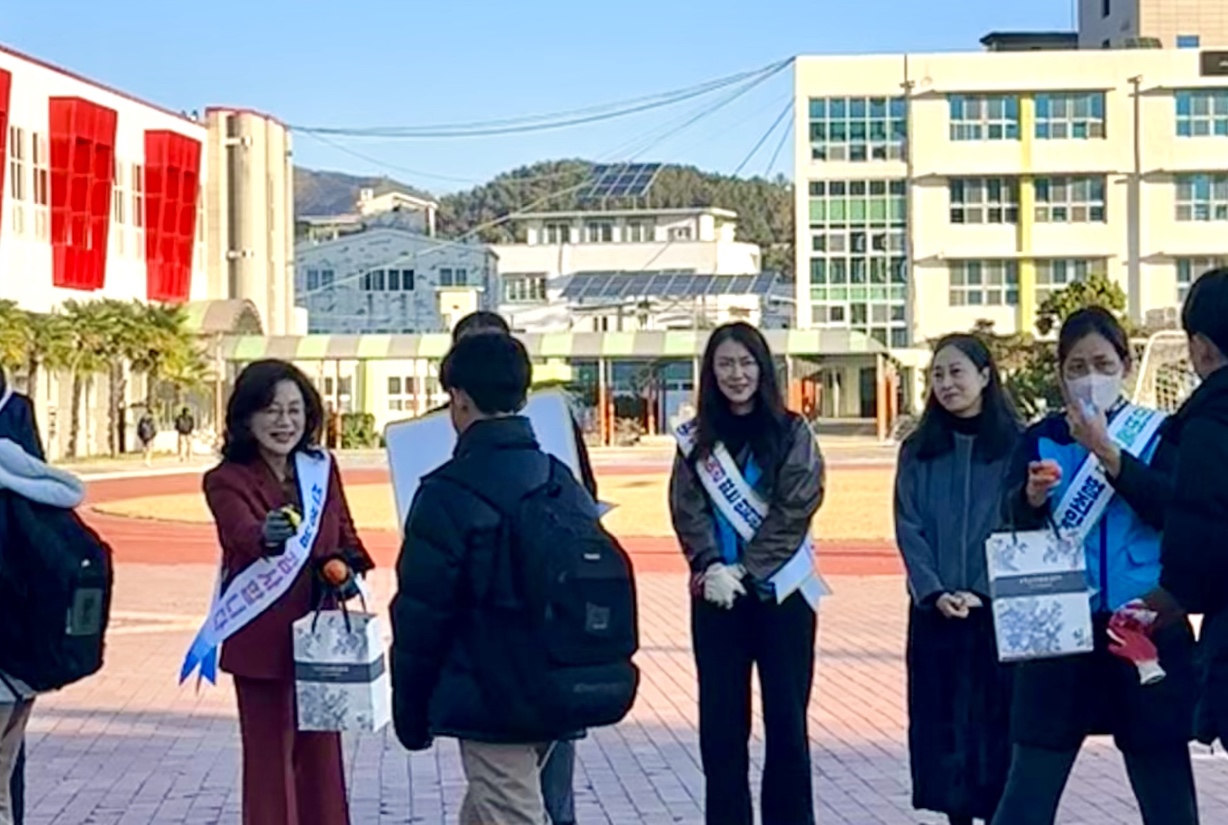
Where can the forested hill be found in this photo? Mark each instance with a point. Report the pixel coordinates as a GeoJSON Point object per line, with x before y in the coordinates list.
{"type": "Point", "coordinates": [765, 207]}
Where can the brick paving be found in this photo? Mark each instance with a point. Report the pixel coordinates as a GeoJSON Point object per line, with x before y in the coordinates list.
{"type": "Point", "coordinates": [130, 747]}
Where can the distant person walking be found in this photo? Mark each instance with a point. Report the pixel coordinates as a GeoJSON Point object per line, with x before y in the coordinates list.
{"type": "Point", "coordinates": [754, 590]}
{"type": "Point", "coordinates": [948, 489]}
{"type": "Point", "coordinates": [185, 426]}
{"type": "Point", "coordinates": [147, 431]}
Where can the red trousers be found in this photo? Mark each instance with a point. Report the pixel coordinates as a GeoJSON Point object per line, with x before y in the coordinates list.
{"type": "Point", "coordinates": [289, 777]}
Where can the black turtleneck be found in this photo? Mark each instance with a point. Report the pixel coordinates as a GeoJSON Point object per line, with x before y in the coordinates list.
{"type": "Point", "coordinates": [966, 426]}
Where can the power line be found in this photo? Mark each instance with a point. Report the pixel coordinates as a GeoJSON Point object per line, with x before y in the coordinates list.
{"type": "Point", "coordinates": [763, 139]}
{"type": "Point", "coordinates": [538, 123]}
{"type": "Point", "coordinates": [784, 136]}
{"type": "Point", "coordinates": [746, 87]}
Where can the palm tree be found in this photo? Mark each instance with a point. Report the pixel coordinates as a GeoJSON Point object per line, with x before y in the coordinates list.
{"type": "Point", "coordinates": [48, 347]}
{"type": "Point", "coordinates": [170, 352]}
{"type": "Point", "coordinates": [14, 326]}
{"type": "Point", "coordinates": [122, 341]}
{"type": "Point", "coordinates": [91, 326]}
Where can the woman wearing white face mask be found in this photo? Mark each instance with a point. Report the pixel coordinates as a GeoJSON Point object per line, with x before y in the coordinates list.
{"type": "Point", "coordinates": [1057, 703]}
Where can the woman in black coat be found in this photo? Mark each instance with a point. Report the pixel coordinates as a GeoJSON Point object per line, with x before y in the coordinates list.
{"type": "Point", "coordinates": [950, 480]}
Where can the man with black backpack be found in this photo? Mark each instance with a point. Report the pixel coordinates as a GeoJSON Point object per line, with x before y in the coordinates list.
{"type": "Point", "coordinates": [514, 624]}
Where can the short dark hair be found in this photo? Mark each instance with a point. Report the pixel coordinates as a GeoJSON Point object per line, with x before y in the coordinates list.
{"type": "Point", "coordinates": [480, 321]}
{"type": "Point", "coordinates": [254, 391]}
{"type": "Point", "coordinates": [1206, 309]}
{"type": "Point", "coordinates": [493, 370]}
{"type": "Point", "coordinates": [1092, 321]}
{"type": "Point", "coordinates": [935, 434]}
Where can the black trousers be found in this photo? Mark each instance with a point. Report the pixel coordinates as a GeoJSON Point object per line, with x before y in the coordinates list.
{"type": "Point", "coordinates": [778, 639]}
{"type": "Point", "coordinates": [1162, 778]}
{"type": "Point", "coordinates": [17, 792]}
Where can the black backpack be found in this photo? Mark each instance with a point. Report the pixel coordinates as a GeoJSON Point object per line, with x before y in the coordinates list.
{"type": "Point", "coordinates": [146, 430]}
{"type": "Point", "coordinates": [55, 594]}
{"type": "Point", "coordinates": [558, 623]}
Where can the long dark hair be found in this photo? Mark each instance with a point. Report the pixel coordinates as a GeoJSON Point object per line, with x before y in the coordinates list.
{"type": "Point", "coordinates": [935, 434]}
{"type": "Point", "coordinates": [254, 391]}
{"type": "Point", "coordinates": [715, 417]}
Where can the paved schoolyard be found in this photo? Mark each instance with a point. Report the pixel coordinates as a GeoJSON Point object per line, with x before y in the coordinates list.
{"type": "Point", "coordinates": [131, 747]}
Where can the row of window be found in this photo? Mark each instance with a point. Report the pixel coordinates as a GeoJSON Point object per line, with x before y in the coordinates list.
{"type": "Point", "coordinates": [876, 128]}
{"type": "Point", "coordinates": [29, 181]}
{"type": "Point", "coordinates": [524, 289]}
{"type": "Point", "coordinates": [610, 232]}
{"type": "Point", "coordinates": [996, 282]}
{"type": "Point", "coordinates": [995, 200]}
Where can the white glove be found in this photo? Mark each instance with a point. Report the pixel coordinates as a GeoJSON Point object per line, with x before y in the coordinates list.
{"type": "Point", "coordinates": [723, 584]}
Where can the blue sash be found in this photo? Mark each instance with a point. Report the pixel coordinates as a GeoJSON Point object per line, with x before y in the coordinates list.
{"type": "Point", "coordinates": [742, 508]}
{"type": "Point", "coordinates": [256, 589]}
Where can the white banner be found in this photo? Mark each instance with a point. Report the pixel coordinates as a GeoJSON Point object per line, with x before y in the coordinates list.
{"type": "Point", "coordinates": [420, 446]}
{"type": "Point", "coordinates": [745, 509]}
{"type": "Point", "coordinates": [255, 589]}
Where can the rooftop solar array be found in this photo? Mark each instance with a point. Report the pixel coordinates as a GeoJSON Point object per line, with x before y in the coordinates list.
{"type": "Point", "coordinates": [620, 180]}
{"type": "Point", "coordinates": [616, 286]}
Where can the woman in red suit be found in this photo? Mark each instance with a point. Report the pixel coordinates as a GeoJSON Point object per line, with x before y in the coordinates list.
{"type": "Point", "coordinates": [289, 778]}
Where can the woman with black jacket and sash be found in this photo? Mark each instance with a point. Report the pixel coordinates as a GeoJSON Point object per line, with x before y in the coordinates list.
{"type": "Point", "coordinates": [949, 484]}
{"type": "Point", "coordinates": [747, 480]}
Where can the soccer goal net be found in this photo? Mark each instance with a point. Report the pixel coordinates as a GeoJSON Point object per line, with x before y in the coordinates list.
{"type": "Point", "coordinates": [1165, 376]}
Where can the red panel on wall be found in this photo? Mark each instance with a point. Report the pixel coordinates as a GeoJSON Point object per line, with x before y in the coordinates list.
{"type": "Point", "coordinates": [172, 186]}
{"type": "Point", "coordinates": [6, 86]}
{"type": "Point", "coordinates": [82, 175]}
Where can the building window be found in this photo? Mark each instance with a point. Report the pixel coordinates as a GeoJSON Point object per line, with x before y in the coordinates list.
{"type": "Point", "coordinates": [681, 233]}
{"type": "Point", "coordinates": [326, 278]}
{"type": "Point", "coordinates": [401, 393]}
{"type": "Point", "coordinates": [638, 232]}
{"type": "Point", "coordinates": [119, 207]}
{"type": "Point", "coordinates": [984, 117]}
{"type": "Point", "coordinates": [858, 128]}
{"type": "Point", "coordinates": [1106, 8]}
{"type": "Point", "coordinates": [374, 280]}
{"type": "Point", "coordinates": [599, 232]}
{"type": "Point", "coordinates": [17, 163]}
{"type": "Point", "coordinates": [1202, 113]}
{"type": "Point", "coordinates": [557, 233]}
{"type": "Point", "coordinates": [1202, 197]}
{"type": "Point", "coordinates": [1188, 41]}
{"type": "Point", "coordinates": [1070, 116]}
{"type": "Point", "coordinates": [138, 196]}
{"type": "Point", "coordinates": [1190, 270]}
{"type": "Point", "coordinates": [984, 200]}
{"type": "Point", "coordinates": [1055, 275]}
{"type": "Point", "coordinates": [41, 168]}
{"type": "Point", "coordinates": [453, 277]}
{"type": "Point", "coordinates": [313, 280]}
{"type": "Point", "coordinates": [858, 263]}
{"type": "Point", "coordinates": [524, 289]}
{"type": "Point", "coordinates": [1070, 200]}
{"type": "Point", "coordinates": [984, 283]}
{"type": "Point", "coordinates": [137, 190]}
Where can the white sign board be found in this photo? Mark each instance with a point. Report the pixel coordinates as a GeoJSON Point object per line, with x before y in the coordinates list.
{"type": "Point", "coordinates": [422, 445]}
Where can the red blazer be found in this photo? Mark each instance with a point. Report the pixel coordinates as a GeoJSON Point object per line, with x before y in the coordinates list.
{"type": "Point", "coordinates": [240, 496]}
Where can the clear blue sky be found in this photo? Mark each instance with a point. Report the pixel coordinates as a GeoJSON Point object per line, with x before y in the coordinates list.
{"type": "Point", "coordinates": [411, 62]}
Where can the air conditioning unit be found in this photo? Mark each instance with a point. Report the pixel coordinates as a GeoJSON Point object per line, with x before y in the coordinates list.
{"type": "Point", "coordinates": [1143, 43]}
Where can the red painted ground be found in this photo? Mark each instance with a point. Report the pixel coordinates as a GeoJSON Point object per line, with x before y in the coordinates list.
{"type": "Point", "coordinates": [149, 541]}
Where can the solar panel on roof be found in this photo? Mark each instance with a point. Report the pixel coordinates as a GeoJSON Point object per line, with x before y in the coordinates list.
{"type": "Point", "coordinates": [621, 180]}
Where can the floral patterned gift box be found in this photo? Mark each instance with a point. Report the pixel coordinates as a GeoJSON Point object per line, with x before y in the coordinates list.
{"type": "Point", "coordinates": [341, 674]}
{"type": "Point", "coordinates": [1041, 600]}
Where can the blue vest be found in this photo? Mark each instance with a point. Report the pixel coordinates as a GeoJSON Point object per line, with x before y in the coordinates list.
{"type": "Point", "coordinates": [1123, 553]}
